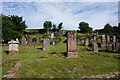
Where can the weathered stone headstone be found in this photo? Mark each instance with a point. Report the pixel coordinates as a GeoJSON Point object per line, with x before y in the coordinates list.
{"type": "Point", "coordinates": [95, 46]}
{"type": "Point", "coordinates": [23, 41]}
{"type": "Point", "coordinates": [46, 44]}
{"type": "Point", "coordinates": [13, 47]}
{"type": "Point", "coordinates": [108, 39]}
{"type": "Point", "coordinates": [103, 41]}
{"type": "Point", "coordinates": [86, 42]}
{"type": "Point", "coordinates": [114, 43]}
{"type": "Point", "coordinates": [71, 45]}
{"type": "Point", "coordinates": [37, 41]}
{"type": "Point", "coordinates": [52, 35]}
{"type": "Point", "coordinates": [108, 44]}
{"type": "Point", "coordinates": [119, 45]}
{"type": "Point", "coordinates": [29, 40]}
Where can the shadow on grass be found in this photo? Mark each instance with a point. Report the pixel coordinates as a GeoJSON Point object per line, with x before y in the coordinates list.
{"type": "Point", "coordinates": [52, 53]}
{"type": "Point", "coordinates": [7, 52]}
{"type": "Point", "coordinates": [88, 49]}
{"type": "Point", "coordinates": [64, 54]}
{"type": "Point", "coordinates": [108, 51]}
{"type": "Point", "coordinates": [40, 48]}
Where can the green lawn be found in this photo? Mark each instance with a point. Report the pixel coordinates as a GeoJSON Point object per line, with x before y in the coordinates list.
{"type": "Point", "coordinates": [57, 65]}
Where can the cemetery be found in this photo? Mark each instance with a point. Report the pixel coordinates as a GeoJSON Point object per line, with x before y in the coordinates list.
{"type": "Point", "coordinates": [71, 59]}
{"type": "Point", "coordinates": [59, 41]}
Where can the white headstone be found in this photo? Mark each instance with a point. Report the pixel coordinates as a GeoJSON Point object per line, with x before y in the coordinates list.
{"type": "Point", "coordinates": [52, 35]}
{"type": "Point", "coordinates": [13, 47]}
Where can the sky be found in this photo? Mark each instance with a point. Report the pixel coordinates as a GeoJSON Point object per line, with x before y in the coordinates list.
{"type": "Point", "coordinates": [97, 14]}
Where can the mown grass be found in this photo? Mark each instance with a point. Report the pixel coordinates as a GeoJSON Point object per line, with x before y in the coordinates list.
{"type": "Point", "coordinates": [57, 65]}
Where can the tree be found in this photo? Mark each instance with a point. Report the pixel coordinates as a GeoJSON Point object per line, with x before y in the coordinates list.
{"type": "Point", "coordinates": [11, 29]}
{"type": "Point", "coordinates": [54, 28]}
{"type": "Point", "coordinates": [60, 26]}
{"type": "Point", "coordinates": [107, 29]}
{"type": "Point", "coordinates": [84, 27]}
{"type": "Point", "coordinates": [20, 24]}
{"type": "Point", "coordinates": [47, 25]}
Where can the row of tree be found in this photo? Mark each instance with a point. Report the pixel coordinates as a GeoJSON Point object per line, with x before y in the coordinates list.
{"type": "Point", "coordinates": [110, 30]}
{"type": "Point", "coordinates": [107, 30]}
{"type": "Point", "coordinates": [14, 26]}
{"type": "Point", "coordinates": [48, 26]}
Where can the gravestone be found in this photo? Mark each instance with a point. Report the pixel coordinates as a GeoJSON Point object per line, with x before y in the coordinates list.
{"type": "Point", "coordinates": [71, 45]}
{"type": "Point", "coordinates": [103, 41]}
{"type": "Point", "coordinates": [108, 44]}
{"type": "Point", "coordinates": [119, 45]}
{"type": "Point", "coordinates": [52, 35]}
{"type": "Point", "coordinates": [46, 44]}
{"type": "Point", "coordinates": [23, 41]}
{"type": "Point", "coordinates": [53, 42]}
{"type": "Point", "coordinates": [86, 42]}
{"type": "Point", "coordinates": [95, 38]}
{"type": "Point", "coordinates": [13, 47]}
{"type": "Point", "coordinates": [37, 41]}
{"type": "Point", "coordinates": [29, 40]}
{"type": "Point", "coordinates": [95, 46]}
{"type": "Point", "coordinates": [108, 39]}
{"type": "Point", "coordinates": [114, 43]}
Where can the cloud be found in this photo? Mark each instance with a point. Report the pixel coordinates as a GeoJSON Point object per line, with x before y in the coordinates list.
{"type": "Point", "coordinates": [60, 0]}
{"type": "Point", "coordinates": [97, 14]}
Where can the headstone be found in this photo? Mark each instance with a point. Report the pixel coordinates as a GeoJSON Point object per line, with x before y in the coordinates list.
{"type": "Point", "coordinates": [108, 39]}
{"type": "Point", "coordinates": [119, 45]}
{"type": "Point", "coordinates": [86, 42]}
{"type": "Point", "coordinates": [13, 47]}
{"type": "Point", "coordinates": [71, 45]}
{"type": "Point", "coordinates": [95, 46]}
{"type": "Point", "coordinates": [37, 41]}
{"type": "Point", "coordinates": [23, 41]}
{"type": "Point", "coordinates": [53, 43]}
{"type": "Point", "coordinates": [95, 38]}
{"type": "Point", "coordinates": [108, 44]}
{"type": "Point", "coordinates": [103, 41]}
{"type": "Point", "coordinates": [29, 40]}
{"type": "Point", "coordinates": [46, 43]}
{"type": "Point", "coordinates": [52, 35]}
{"type": "Point", "coordinates": [114, 43]}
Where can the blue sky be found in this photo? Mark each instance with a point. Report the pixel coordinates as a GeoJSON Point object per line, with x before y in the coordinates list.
{"type": "Point", "coordinates": [97, 14]}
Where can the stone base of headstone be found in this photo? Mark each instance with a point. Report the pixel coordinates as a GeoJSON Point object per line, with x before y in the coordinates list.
{"type": "Point", "coordinates": [45, 49]}
{"type": "Point", "coordinates": [13, 52]}
{"type": "Point", "coordinates": [72, 54]}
